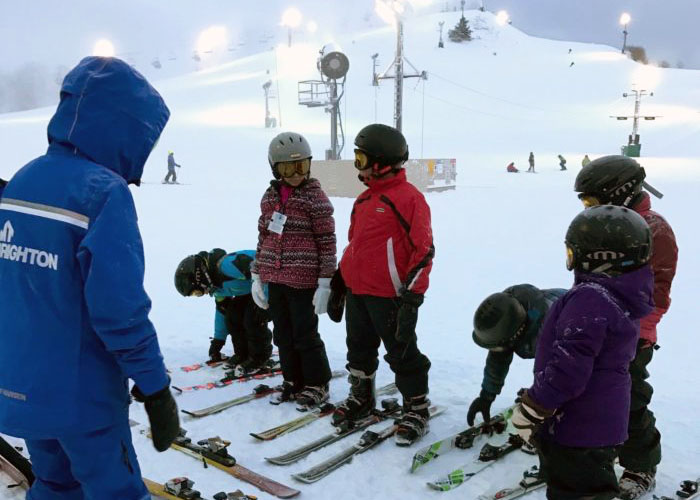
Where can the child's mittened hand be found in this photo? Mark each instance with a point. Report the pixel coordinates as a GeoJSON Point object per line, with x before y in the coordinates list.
{"type": "Point", "coordinates": [527, 416]}
{"type": "Point", "coordinates": [321, 296]}
{"type": "Point", "coordinates": [258, 292]}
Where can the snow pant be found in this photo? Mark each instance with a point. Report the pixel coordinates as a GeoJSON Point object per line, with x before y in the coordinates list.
{"type": "Point", "coordinates": [251, 337]}
{"type": "Point", "coordinates": [302, 352]}
{"type": "Point", "coordinates": [578, 473]}
{"type": "Point", "coordinates": [371, 320]}
{"type": "Point", "coordinates": [92, 466]}
{"type": "Point", "coordinates": [642, 450]}
{"type": "Point", "coordinates": [171, 172]}
{"type": "Point", "coordinates": [531, 168]}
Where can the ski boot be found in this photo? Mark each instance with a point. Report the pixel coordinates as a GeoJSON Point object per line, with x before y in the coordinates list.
{"type": "Point", "coordinates": [361, 400]}
{"type": "Point", "coordinates": [413, 423]}
{"type": "Point", "coordinates": [312, 396]}
{"type": "Point", "coordinates": [249, 366]}
{"type": "Point", "coordinates": [287, 392]}
{"type": "Point", "coordinates": [233, 361]}
{"type": "Point", "coordinates": [636, 484]}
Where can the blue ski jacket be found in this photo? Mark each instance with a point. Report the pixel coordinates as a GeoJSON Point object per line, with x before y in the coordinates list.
{"type": "Point", "coordinates": [74, 311]}
{"type": "Point", "coordinates": [233, 272]}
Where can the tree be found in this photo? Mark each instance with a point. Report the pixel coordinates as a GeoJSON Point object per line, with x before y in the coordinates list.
{"type": "Point", "coordinates": [461, 31]}
{"type": "Point", "coordinates": [638, 54]}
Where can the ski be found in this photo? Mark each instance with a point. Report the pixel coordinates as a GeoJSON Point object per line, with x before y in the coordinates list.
{"type": "Point", "coordinates": [529, 482]}
{"type": "Point", "coordinates": [213, 452]}
{"type": "Point", "coordinates": [314, 414]}
{"type": "Point", "coordinates": [462, 440]}
{"type": "Point", "coordinates": [225, 382]}
{"type": "Point", "coordinates": [389, 407]}
{"type": "Point", "coordinates": [368, 440]}
{"type": "Point", "coordinates": [197, 366]}
{"type": "Point", "coordinates": [687, 490]}
{"type": "Point", "coordinates": [182, 487]}
{"type": "Point", "coordinates": [488, 455]}
{"type": "Point", "coordinates": [18, 468]}
{"type": "Point", "coordinates": [259, 391]}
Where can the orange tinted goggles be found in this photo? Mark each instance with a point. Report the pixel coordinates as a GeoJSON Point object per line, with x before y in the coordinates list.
{"type": "Point", "coordinates": [289, 168]}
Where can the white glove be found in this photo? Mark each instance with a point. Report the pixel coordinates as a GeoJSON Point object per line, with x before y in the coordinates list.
{"type": "Point", "coordinates": [258, 292]}
{"type": "Point", "coordinates": [321, 296]}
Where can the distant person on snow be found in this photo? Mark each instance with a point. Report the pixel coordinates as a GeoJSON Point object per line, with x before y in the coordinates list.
{"type": "Point", "coordinates": [507, 323]}
{"type": "Point", "coordinates": [586, 160]}
{"type": "Point", "coordinates": [618, 180]}
{"type": "Point", "coordinates": [562, 162]}
{"type": "Point", "coordinates": [226, 277]}
{"type": "Point", "coordinates": [385, 268]}
{"type": "Point", "coordinates": [577, 409]}
{"type": "Point", "coordinates": [67, 352]}
{"type": "Point", "coordinates": [511, 168]}
{"type": "Point", "coordinates": [296, 259]}
{"type": "Point", "coordinates": [171, 169]}
{"type": "Point", "coordinates": [531, 161]}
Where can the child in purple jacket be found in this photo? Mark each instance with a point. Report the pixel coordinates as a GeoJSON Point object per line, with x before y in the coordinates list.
{"type": "Point", "coordinates": [578, 404]}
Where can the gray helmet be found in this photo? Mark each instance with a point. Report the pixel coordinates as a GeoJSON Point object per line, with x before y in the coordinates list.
{"type": "Point", "coordinates": [498, 321]}
{"type": "Point", "coordinates": [287, 146]}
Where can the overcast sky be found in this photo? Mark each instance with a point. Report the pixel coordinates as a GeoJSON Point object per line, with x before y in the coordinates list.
{"type": "Point", "coordinates": [60, 33]}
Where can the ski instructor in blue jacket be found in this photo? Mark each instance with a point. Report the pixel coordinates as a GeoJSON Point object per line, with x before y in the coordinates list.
{"type": "Point", "coordinates": [74, 312]}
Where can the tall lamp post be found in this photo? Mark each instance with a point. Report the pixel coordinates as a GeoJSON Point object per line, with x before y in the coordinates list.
{"type": "Point", "coordinates": [624, 21]}
{"type": "Point", "coordinates": [291, 18]}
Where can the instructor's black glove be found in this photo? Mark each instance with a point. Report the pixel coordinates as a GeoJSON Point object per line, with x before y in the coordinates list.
{"type": "Point", "coordinates": [162, 415]}
{"type": "Point", "coordinates": [407, 317]}
{"type": "Point", "coordinates": [482, 405]}
{"type": "Point", "coordinates": [215, 349]}
{"type": "Point", "coordinates": [336, 301]}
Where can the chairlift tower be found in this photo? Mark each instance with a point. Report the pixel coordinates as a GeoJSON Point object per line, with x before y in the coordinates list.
{"type": "Point", "coordinates": [327, 93]}
{"type": "Point", "coordinates": [633, 147]}
{"type": "Point", "coordinates": [395, 70]}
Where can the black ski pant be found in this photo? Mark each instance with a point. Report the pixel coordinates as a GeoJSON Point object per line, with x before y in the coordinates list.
{"type": "Point", "coordinates": [578, 473]}
{"type": "Point", "coordinates": [302, 352]}
{"type": "Point", "coordinates": [251, 337]}
{"type": "Point", "coordinates": [171, 173]}
{"type": "Point", "coordinates": [642, 450]}
{"type": "Point", "coordinates": [371, 320]}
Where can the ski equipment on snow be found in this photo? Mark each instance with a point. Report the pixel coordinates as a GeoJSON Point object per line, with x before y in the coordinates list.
{"type": "Point", "coordinates": [259, 391]}
{"type": "Point", "coordinates": [688, 489]}
{"type": "Point", "coordinates": [530, 482]}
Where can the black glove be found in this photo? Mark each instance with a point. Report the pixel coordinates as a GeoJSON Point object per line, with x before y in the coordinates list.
{"type": "Point", "coordinates": [162, 415]}
{"type": "Point", "coordinates": [336, 301]}
{"type": "Point", "coordinates": [215, 349]}
{"type": "Point", "coordinates": [407, 317]}
{"type": "Point", "coordinates": [260, 315]}
{"type": "Point", "coordinates": [482, 405]}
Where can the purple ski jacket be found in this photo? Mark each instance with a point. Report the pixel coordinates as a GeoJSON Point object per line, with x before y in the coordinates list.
{"type": "Point", "coordinates": [583, 354]}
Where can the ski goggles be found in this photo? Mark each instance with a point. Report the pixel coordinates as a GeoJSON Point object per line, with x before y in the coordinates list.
{"type": "Point", "coordinates": [289, 168]}
{"type": "Point", "coordinates": [589, 200]}
{"type": "Point", "coordinates": [362, 160]}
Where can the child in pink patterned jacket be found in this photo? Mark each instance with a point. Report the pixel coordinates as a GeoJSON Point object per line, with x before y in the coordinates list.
{"type": "Point", "coordinates": [296, 260]}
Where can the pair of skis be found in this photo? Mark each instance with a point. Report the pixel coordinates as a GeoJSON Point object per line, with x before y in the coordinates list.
{"type": "Point", "coordinates": [312, 415]}
{"type": "Point", "coordinates": [269, 371]}
{"type": "Point", "coordinates": [182, 487]}
{"type": "Point", "coordinates": [369, 440]}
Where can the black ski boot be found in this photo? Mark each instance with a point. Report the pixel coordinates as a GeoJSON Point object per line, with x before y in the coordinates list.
{"type": "Point", "coordinates": [250, 366]}
{"type": "Point", "coordinates": [413, 423]}
{"type": "Point", "coordinates": [288, 392]}
{"type": "Point", "coordinates": [233, 361]}
{"type": "Point", "coordinates": [361, 400]}
{"type": "Point", "coordinates": [312, 396]}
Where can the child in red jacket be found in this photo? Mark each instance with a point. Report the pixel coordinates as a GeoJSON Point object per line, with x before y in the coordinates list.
{"type": "Point", "coordinates": [385, 268]}
{"type": "Point", "coordinates": [295, 258]}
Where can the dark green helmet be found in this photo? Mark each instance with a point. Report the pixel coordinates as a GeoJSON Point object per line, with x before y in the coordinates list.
{"type": "Point", "coordinates": [613, 179]}
{"type": "Point", "coordinates": [498, 321]}
{"type": "Point", "coordinates": [608, 239]}
{"type": "Point", "coordinates": [383, 143]}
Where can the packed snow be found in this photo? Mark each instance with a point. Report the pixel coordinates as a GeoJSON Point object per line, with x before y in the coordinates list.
{"type": "Point", "coordinates": [485, 103]}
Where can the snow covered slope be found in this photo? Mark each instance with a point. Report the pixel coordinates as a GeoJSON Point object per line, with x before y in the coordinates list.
{"type": "Point", "coordinates": [487, 103]}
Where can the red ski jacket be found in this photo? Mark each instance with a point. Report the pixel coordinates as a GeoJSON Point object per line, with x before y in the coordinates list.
{"type": "Point", "coordinates": [390, 241]}
{"type": "Point", "coordinates": [663, 262]}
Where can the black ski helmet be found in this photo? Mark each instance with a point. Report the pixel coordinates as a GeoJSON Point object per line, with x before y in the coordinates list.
{"type": "Point", "coordinates": [498, 321]}
{"type": "Point", "coordinates": [608, 239]}
{"type": "Point", "coordinates": [613, 179]}
{"type": "Point", "coordinates": [383, 143]}
{"type": "Point", "coordinates": [193, 274]}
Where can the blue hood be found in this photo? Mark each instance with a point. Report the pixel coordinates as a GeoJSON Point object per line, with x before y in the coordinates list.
{"type": "Point", "coordinates": [111, 114]}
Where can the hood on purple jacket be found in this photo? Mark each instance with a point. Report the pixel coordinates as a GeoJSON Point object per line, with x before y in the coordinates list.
{"type": "Point", "coordinates": [583, 354]}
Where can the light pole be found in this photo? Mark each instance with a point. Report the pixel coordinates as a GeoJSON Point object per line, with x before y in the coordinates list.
{"type": "Point", "coordinates": [291, 18]}
{"type": "Point", "coordinates": [624, 21]}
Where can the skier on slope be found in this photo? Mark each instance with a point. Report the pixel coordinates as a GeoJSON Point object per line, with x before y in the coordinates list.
{"type": "Point", "coordinates": [531, 161]}
{"type": "Point", "coordinates": [295, 258]}
{"type": "Point", "coordinates": [618, 180]}
{"type": "Point", "coordinates": [74, 311]}
{"type": "Point", "coordinates": [227, 278]}
{"type": "Point", "coordinates": [171, 169]}
{"type": "Point", "coordinates": [507, 323]}
{"type": "Point", "coordinates": [577, 408]}
{"type": "Point", "coordinates": [385, 268]}
{"type": "Point", "coordinates": [562, 162]}
{"type": "Point", "coordinates": [585, 161]}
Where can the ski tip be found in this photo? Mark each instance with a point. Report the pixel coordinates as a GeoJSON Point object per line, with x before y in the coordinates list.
{"type": "Point", "coordinates": [303, 479]}
{"type": "Point", "coordinates": [258, 437]}
{"type": "Point", "coordinates": [437, 486]}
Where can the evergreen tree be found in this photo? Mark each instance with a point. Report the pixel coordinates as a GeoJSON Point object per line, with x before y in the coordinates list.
{"type": "Point", "coordinates": [461, 31]}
